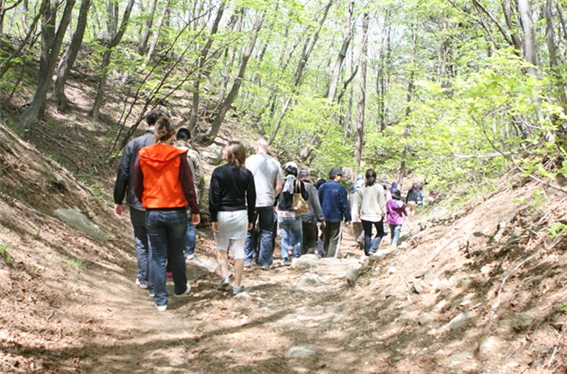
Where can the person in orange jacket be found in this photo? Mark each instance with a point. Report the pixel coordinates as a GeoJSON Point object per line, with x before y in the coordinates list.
{"type": "Point", "coordinates": [164, 184]}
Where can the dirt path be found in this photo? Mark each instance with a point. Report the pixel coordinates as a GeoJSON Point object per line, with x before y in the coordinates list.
{"type": "Point", "coordinates": [279, 325]}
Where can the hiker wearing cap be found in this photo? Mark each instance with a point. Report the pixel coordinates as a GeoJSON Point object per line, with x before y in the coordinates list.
{"type": "Point", "coordinates": [310, 218]}
{"type": "Point", "coordinates": [268, 183]}
{"type": "Point", "coordinates": [396, 209]}
{"type": "Point", "coordinates": [334, 203]}
{"type": "Point", "coordinates": [372, 212]}
{"type": "Point", "coordinates": [290, 221]}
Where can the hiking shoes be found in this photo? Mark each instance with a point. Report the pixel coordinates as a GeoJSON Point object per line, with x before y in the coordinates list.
{"type": "Point", "coordinates": [235, 290]}
{"type": "Point", "coordinates": [265, 267]}
{"type": "Point", "coordinates": [286, 262]}
{"type": "Point", "coordinates": [161, 308]}
{"type": "Point", "coordinates": [185, 292]}
{"type": "Point", "coordinates": [142, 284]}
{"type": "Point", "coordinates": [225, 281]}
{"type": "Point", "coordinates": [191, 257]}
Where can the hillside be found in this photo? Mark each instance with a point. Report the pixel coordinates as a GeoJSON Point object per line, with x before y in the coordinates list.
{"type": "Point", "coordinates": [480, 290]}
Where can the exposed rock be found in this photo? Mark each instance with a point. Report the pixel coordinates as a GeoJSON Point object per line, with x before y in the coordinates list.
{"type": "Point", "coordinates": [212, 154]}
{"type": "Point", "coordinates": [306, 262]}
{"type": "Point", "coordinates": [460, 357]}
{"type": "Point", "coordinates": [76, 219]}
{"type": "Point", "coordinates": [352, 276]}
{"type": "Point", "coordinates": [458, 321]}
{"type": "Point", "coordinates": [522, 320]}
{"type": "Point", "coordinates": [300, 351]}
{"type": "Point", "coordinates": [198, 268]}
{"type": "Point", "coordinates": [417, 287]}
{"type": "Point", "coordinates": [487, 346]}
{"type": "Point", "coordinates": [425, 318]}
{"type": "Point", "coordinates": [310, 280]}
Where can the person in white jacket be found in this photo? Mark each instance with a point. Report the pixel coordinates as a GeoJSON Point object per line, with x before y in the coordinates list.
{"type": "Point", "coordinates": [372, 212]}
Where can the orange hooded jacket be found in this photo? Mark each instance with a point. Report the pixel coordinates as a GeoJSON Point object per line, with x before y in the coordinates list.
{"type": "Point", "coordinates": [162, 178]}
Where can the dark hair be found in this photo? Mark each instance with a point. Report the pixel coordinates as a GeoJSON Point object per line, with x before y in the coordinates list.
{"type": "Point", "coordinates": [163, 130]}
{"type": "Point", "coordinates": [152, 117]}
{"type": "Point", "coordinates": [396, 194]}
{"type": "Point", "coordinates": [370, 177]}
{"type": "Point", "coordinates": [183, 134]}
{"type": "Point", "coordinates": [236, 154]}
{"type": "Point", "coordinates": [291, 170]}
{"type": "Point", "coordinates": [320, 182]}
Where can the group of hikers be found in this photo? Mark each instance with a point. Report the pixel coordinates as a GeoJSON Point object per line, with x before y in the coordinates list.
{"type": "Point", "coordinates": [161, 178]}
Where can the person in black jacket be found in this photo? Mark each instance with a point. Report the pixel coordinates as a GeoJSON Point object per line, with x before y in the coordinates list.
{"type": "Point", "coordinates": [123, 188]}
{"type": "Point", "coordinates": [311, 217]}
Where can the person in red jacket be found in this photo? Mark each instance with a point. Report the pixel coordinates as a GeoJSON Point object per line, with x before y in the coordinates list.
{"type": "Point", "coordinates": [164, 184]}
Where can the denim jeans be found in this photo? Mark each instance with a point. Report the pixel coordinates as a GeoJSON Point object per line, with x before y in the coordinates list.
{"type": "Point", "coordinates": [166, 229]}
{"type": "Point", "coordinates": [291, 233]}
{"type": "Point", "coordinates": [265, 255]}
{"type": "Point", "coordinates": [371, 245]}
{"type": "Point", "coordinates": [190, 237]}
{"type": "Point", "coordinates": [143, 252]}
{"type": "Point", "coordinates": [395, 230]}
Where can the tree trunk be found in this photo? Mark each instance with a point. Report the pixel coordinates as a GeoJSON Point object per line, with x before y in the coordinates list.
{"type": "Point", "coordinates": [348, 34]}
{"type": "Point", "coordinates": [512, 24]}
{"type": "Point", "coordinates": [200, 67]}
{"type": "Point", "coordinates": [559, 81]}
{"type": "Point", "coordinates": [70, 56]}
{"type": "Point", "coordinates": [107, 57]}
{"type": "Point", "coordinates": [3, 10]}
{"type": "Point", "coordinates": [142, 46]}
{"type": "Point", "coordinates": [530, 48]}
{"type": "Point", "coordinates": [359, 139]}
{"type": "Point", "coordinates": [409, 97]}
{"type": "Point", "coordinates": [215, 126]}
{"type": "Point", "coordinates": [155, 40]}
{"type": "Point", "coordinates": [51, 45]}
{"type": "Point", "coordinates": [305, 54]}
{"type": "Point", "coordinates": [383, 76]}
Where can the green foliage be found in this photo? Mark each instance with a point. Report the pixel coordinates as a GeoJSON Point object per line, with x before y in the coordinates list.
{"type": "Point", "coordinates": [75, 263]}
{"type": "Point", "coordinates": [5, 255]}
{"type": "Point", "coordinates": [556, 229]}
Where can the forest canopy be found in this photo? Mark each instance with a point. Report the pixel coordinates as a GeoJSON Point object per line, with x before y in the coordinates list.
{"type": "Point", "coordinates": [447, 91]}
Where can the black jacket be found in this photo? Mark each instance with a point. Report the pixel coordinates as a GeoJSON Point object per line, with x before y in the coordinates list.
{"type": "Point", "coordinates": [123, 186]}
{"type": "Point", "coordinates": [286, 199]}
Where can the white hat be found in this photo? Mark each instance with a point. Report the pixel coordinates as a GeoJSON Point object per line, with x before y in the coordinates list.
{"type": "Point", "coordinates": [290, 164]}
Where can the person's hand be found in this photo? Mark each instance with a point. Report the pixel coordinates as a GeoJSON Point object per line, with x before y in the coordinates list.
{"type": "Point", "coordinates": [347, 223]}
{"type": "Point", "coordinates": [250, 226]}
{"type": "Point", "coordinates": [118, 211]}
{"type": "Point", "coordinates": [215, 227]}
{"type": "Point", "coordinates": [323, 224]}
{"type": "Point", "coordinates": [195, 219]}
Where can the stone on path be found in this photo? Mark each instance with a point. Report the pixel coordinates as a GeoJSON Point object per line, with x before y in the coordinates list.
{"type": "Point", "coordinates": [300, 351]}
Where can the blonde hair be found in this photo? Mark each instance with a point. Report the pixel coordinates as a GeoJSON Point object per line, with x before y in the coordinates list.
{"type": "Point", "coordinates": [163, 129]}
{"type": "Point", "coordinates": [235, 154]}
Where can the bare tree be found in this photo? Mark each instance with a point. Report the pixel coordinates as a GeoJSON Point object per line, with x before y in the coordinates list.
{"type": "Point", "coordinates": [552, 48]}
{"type": "Point", "coordinates": [106, 59]}
{"type": "Point", "coordinates": [231, 96]}
{"type": "Point", "coordinates": [530, 48]}
{"type": "Point", "coordinates": [359, 138]}
{"type": "Point", "coordinates": [142, 46]}
{"type": "Point", "coordinates": [3, 10]}
{"type": "Point", "coordinates": [348, 34]}
{"type": "Point", "coordinates": [51, 42]}
{"type": "Point", "coordinates": [70, 55]}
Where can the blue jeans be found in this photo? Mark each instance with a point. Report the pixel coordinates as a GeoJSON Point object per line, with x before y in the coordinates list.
{"type": "Point", "coordinates": [265, 255]}
{"type": "Point", "coordinates": [190, 237]}
{"type": "Point", "coordinates": [291, 233]}
{"type": "Point", "coordinates": [143, 252]}
{"type": "Point", "coordinates": [166, 229]}
{"type": "Point", "coordinates": [371, 245]}
{"type": "Point", "coordinates": [395, 230]}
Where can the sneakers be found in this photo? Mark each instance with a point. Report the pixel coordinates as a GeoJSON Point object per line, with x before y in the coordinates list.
{"type": "Point", "coordinates": [161, 308]}
{"type": "Point", "coordinates": [186, 291]}
{"type": "Point", "coordinates": [265, 267]}
{"type": "Point", "coordinates": [286, 262]}
{"type": "Point", "coordinates": [247, 264]}
{"type": "Point", "coordinates": [142, 284]}
{"type": "Point", "coordinates": [235, 290]}
{"type": "Point", "coordinates": [225, 281]}
{"type": "Point", "coordinates": [191, 257]}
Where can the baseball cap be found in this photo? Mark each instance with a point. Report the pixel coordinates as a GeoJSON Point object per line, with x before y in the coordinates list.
{"type": "Point", "coordinates": [336, 171]}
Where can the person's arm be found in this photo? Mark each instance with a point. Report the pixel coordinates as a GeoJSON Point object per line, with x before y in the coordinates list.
{"type": "Point", "coordinates": [138, 179]}
{"type": "Point", "coordinates": [121, 184]}
{"type": "Point", "coordinates": [343, 203]}
{"type": "Point", "coordinates": [382, 203]}
{"type": "Point", "coordinates": [277, 187]}
{"type": "Point", "coordinates": [214, 195]}
{"type": "Point", "coordinates": [304, 192]}
{"type": "Point", "coordinates": [251, 200]}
